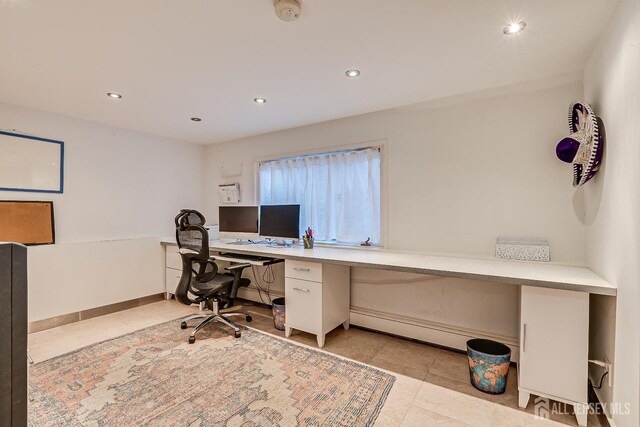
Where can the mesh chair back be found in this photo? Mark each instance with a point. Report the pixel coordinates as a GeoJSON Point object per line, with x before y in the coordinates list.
{"type": "Point", "coordinates": [196, 267]}
{"type": "Point", "coordinates": [194, 217]}
{"type": "Point", "coordinates": [190, 232]}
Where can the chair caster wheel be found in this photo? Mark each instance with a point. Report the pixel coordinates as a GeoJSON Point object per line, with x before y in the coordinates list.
{"type": "Point", "coordinates": [192, 340]}
{"type": "Point", "coordinates": [183, 325]}
{"type": "Point", "coordinates": [249, 318]}
{"type": "Point", "coordinates": [237, 334]}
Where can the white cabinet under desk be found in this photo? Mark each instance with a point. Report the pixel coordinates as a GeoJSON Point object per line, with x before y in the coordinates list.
{"type": "Point", "coordinates": [554, 346]}
{"type": "Point", "coordinates": [316, 297]}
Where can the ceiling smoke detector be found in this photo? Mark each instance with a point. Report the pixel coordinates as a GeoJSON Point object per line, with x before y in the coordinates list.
{"type": "Point", "coordinates": [287, 10]}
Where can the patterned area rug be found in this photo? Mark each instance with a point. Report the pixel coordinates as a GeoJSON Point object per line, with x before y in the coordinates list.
{"type": "Point", "coordinates": [153, 377]}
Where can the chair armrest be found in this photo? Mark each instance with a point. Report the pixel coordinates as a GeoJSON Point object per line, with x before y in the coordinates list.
{"type": "Point", "coordinates": [237, 267]}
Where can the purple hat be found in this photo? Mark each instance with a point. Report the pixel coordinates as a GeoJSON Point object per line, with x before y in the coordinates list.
{"type": "Point", "coordinates": [583, 148]}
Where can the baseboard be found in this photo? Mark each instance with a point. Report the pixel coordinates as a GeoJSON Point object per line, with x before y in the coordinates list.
{"type": "Point", "coordinates": [65, 319]}
{"type": "Point", "coordinates": [423, 330]}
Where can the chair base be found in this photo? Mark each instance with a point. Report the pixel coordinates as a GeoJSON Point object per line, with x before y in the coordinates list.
{"type": "Point", "coordinates": [216, 316]}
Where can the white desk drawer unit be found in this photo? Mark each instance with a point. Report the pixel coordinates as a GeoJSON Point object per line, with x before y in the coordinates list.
{"type": "Point", "coordinates": [173, 270]}
{"type": "Point", "coordinates": [316, 297]}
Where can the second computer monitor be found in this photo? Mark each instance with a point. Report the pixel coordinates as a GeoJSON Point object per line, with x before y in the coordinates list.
{"type": "Point", "coordinates": [280, 221]}
{"type": "Point", "coordinates": [238, 222]}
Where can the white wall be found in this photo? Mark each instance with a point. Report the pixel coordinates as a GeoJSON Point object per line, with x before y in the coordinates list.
{"type": "Point", "coordinates": [612, 201]}
{"type": "Point", "coordinates": [119, 186]}
{"type": "Point", "coordinates": [459, 173]}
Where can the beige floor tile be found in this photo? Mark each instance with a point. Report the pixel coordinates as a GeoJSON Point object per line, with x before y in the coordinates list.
{"type": "Point", "coordinates": [509, 417]}
{"type": "Point", "coordinates": [396, 366]}
{"type": "Point", "coordinates": [509, 398]}
{"type": "Point", "coordinates": [451, 365]}
{"type": "Point", "coordinates": [412, 351]}
{"type": "Point", "coordinates": [398, 402]}
{"type": "Point", "coordinates": [406, 358]}
{"type": "Point", "coordinates": [355, 344]}
{"type": "Point", "coordinates": [458, 406]}
{"type": "Point", "coordinates": [420, 417]}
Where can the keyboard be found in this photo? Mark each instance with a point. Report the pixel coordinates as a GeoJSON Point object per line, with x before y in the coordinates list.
{"type": "Point", "coordinates": [245, 256]}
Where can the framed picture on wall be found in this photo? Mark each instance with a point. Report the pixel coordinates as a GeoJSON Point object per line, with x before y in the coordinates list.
{"type": "Point", "coordinates": [30, 163]}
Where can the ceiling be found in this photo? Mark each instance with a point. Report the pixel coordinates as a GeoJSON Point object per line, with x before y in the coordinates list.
{"type": "Point", "coordinates": [176, 59]}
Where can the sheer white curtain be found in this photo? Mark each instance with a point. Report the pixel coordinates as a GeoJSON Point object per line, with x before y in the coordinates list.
{"type": "Point", "coordinates": [338, 193]}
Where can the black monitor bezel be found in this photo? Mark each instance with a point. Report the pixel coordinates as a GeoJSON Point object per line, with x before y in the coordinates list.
{"type": "Point", "coordinates": [257, 208]}
{"type": "Point", "coordinates": [271, 235]}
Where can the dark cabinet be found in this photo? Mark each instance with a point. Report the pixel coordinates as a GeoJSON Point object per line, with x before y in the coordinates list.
{"type": "Point", "coordinates": [13, 335]}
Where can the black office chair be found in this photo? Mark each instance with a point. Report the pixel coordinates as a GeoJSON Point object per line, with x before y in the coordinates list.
{"type": "Point", "coordinates": [201, 283]}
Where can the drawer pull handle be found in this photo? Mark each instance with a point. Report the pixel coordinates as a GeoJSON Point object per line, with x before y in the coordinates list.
{"type": "Point", "coordinates": [301, 269]}
{"type": "Point", "coordinates": [301, 289]}
{"type": "Point", "coordinates": [524, 337]}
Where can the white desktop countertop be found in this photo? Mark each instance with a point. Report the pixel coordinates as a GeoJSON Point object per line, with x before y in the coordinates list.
{"type": "Point", "coordinates": [547, 275]}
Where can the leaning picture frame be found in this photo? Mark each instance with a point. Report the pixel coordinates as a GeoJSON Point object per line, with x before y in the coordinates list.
{"type": "Point", "coordinates": [31, 164]}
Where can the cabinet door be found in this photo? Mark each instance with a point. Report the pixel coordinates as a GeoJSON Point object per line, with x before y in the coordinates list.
{"type": "Point", "coordinates": [303, 301]}
{"type": "Point", "coordinates": [554, 339]}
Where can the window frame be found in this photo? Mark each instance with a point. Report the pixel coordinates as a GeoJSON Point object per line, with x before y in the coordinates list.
{"type": "Point", "coordinates": [379, 144]}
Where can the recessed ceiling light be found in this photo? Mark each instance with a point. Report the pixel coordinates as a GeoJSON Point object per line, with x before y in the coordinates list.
{"type": "Point", "coordinates": [260, 100]}
{"type": "Point", "coordinates": [514, 28]}
{"type": "Point", "coordinates": [114, 95]}
{"type": "Point", "coordinates": [196, 119]}
{"type": "Point", "coordinates": [352, 73]}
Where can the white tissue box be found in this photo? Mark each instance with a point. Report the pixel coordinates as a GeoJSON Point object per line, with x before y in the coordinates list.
{"type": "Point", "coordinates": [524, 249]}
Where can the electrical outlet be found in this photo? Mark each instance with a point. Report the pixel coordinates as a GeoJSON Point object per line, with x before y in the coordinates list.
{"type": "Point", "coordinates": [609, 369]}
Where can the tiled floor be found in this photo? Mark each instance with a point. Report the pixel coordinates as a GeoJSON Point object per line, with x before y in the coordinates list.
{"type": "Point", "coordinates": [432, 388]}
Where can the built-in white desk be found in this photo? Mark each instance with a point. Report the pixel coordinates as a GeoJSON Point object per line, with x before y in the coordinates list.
{"type": "Point", "coordinates": [554, 304]}
{"type": "Point", "coordinates": [544, 275]}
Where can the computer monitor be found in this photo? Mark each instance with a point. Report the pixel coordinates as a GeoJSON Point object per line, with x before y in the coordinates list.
{"type": "Point", "coordinates": [280, 221]}
{"type": "Point", "coordinates": [238, 222]}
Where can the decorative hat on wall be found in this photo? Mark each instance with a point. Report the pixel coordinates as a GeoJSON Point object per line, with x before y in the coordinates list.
{"type": "Point", "coordinates": [583, 148]}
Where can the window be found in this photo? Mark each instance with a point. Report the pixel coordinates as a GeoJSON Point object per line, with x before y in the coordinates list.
{"type": "Point", "coordinates": [338, 192]}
